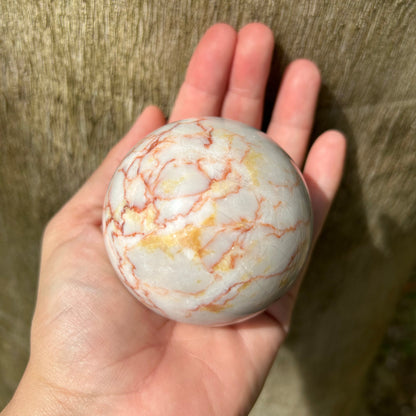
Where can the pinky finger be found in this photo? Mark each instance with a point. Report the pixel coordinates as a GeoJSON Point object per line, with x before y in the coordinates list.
{"type": "Point", "coordinates": [323, 172]}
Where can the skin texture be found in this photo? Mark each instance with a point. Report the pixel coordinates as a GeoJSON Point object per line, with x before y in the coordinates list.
{"type": "Point", "coordinates": [94, 348]}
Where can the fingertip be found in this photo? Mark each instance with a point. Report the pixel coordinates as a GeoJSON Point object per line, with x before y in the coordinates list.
{"type": "Point", "coordinates": [323, 173]}
{"type": "Point", "coordinates": [220, 29]}
{"type": "Point", "coordinates": [154, 112]}
{"type": "Point", "coordinates": [330, 144]}
{"type": "Point", "coordinates": [259, 31]}
{"type": "Point", "coordinates": [306, 70]}
{"type": "Point", "coordinates": [207, 75]}
{"type": "Point", "coordinates": [151, 107]}
{"type": "Point", "coordinates": [326, 160]}
{"type": "Point", "coordinates": [244, 97]}
{"type": "Point", "coordinates": [334, 133]}
{"type": "Point", "coordinates": [337, 141]}
{"type": "Point", "coordinates": [218, 42]}
{"type": "Point", "coordinates": [294, 111]}
{"type": "Point", "coordinates": [335, 137]}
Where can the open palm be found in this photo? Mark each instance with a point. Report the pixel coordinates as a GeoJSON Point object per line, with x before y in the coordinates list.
{"type": "Point", "coordinates": [96, 349]}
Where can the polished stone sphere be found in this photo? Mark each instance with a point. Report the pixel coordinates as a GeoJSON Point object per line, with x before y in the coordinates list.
{"type": "Point", "coordinates": [207, 221]}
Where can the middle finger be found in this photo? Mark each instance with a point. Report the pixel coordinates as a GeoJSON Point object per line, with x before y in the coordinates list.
{"type": "Point", "coordinates": [244, 99]}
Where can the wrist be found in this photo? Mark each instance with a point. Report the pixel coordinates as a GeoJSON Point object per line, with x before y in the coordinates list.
{"type": "Point", "coordinates": [31, 398]}
{"type": "Point", "coordinates": [36, 398]}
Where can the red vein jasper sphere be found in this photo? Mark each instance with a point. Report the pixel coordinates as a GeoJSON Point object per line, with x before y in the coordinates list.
{"type": "Point", "coordinates": [207, 221]}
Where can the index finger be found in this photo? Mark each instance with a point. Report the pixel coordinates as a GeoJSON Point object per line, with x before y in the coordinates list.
{"type": "Point", "coordinates": [206, 79]}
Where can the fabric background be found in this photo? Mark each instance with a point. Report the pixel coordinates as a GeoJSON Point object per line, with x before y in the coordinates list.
{"type": "Point", "coordinates": [73, 77]}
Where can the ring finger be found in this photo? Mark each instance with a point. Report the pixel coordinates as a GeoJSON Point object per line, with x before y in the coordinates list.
{"type": "Point", "coordinates": [294, 112]}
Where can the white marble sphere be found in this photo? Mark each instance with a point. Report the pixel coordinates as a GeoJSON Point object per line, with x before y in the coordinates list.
{"type": "Point", "coordinates": [207, 221]}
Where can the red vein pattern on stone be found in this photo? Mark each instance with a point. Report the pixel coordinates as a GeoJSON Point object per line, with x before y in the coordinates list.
{"type": "Point", "coordinates": [207, 221]}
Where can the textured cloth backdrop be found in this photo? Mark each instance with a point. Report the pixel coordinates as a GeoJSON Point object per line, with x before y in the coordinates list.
{"type": "Point", "coordinates": [74, 75]}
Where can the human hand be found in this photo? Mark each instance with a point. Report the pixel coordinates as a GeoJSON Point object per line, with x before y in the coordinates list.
{"type": "Point", "coordinates": [94, 348]}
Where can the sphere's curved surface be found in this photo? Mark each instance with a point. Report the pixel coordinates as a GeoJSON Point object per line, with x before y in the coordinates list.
{"type": "Point", "coordinates": [207, 221]}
